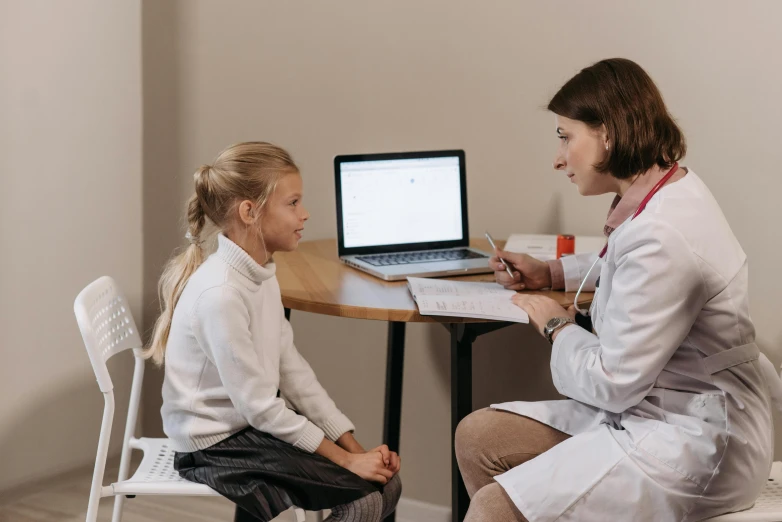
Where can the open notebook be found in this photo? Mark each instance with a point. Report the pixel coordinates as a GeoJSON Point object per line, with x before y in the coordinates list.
{"type": "Point", "coordinates": [465, 299]}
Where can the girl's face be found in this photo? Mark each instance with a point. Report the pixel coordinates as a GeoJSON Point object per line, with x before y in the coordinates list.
{"type": "Point", "coordinates": [580, 148]}
{"type": "Point", "coordinates": [283, 216]}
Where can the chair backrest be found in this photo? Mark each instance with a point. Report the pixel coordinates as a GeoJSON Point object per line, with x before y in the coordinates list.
{"type": "Point", "coordinates": [106, 325]}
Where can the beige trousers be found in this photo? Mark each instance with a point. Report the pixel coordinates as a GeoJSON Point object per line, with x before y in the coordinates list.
{"type": "Point", "coordinates": [490, 442]}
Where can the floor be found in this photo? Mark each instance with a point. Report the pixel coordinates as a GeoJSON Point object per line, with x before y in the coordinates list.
{"type": "Point", "coordinates": [65, 500]}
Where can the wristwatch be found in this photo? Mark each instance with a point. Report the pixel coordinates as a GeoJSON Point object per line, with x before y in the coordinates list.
{"type": "Point", "coordinates": [555, 324]}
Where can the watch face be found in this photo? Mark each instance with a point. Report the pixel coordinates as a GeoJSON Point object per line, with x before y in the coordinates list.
{"type": "Point", "coordinates": [553, 323]}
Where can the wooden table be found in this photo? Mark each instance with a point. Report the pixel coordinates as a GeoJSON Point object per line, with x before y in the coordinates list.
{"type": "Point", "coordinates": [312, 279]}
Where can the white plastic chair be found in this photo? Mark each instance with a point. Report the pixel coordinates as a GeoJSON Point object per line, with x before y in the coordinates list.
{"type": "Point", "coordinates": [107, 328]}
{"type": "Point", "coordinates": [767, 508]}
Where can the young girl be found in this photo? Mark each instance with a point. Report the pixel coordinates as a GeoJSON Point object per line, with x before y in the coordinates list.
{"type": "Point", "coordinates": [228, 350]}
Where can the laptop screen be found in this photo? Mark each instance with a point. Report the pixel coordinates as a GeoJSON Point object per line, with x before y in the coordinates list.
{"type": "Point", "coordinates": [400, 201]}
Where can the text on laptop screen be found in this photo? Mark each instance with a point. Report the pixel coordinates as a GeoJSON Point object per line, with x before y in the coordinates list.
{"type": "Point", "coordinates": [393, 202]}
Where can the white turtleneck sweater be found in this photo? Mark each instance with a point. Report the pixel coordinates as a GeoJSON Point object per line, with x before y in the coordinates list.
{"type": "Point", "coordinates": [229, 350]}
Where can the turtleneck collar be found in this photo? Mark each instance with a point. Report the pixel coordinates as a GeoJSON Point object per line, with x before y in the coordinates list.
{"type": "Point", "coordinates": [242, 262]}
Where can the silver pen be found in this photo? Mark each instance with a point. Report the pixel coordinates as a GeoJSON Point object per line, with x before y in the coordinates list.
{"type": "Point", "coordinates": [491, 242]}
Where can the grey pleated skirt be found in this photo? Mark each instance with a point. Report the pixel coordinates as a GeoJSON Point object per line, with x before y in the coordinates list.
{"type": "Point", "coordinates": [265, 476]}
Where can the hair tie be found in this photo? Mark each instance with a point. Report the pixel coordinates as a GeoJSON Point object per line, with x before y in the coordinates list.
{"type": "Point", "coordinates": [192, 239]}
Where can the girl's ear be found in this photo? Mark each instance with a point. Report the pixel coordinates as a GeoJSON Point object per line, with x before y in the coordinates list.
{"type": "Point", "coordinates": [247, 213]}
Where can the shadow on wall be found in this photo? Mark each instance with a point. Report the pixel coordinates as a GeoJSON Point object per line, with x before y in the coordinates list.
{"type": "Point", "coordinates": [60, 416]}
{"type": "Point", "coordinates": [162, 210]}
{"type": "Point", "coordinates": [552, 220]}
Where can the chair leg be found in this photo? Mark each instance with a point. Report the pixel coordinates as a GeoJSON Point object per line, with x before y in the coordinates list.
{"type": "Point", "coordinates": [100, 458]}
{"type": "Point", "coordinates": [119, 501]}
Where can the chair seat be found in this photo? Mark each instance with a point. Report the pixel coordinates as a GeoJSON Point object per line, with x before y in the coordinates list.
{"type": "Point", "coordinates": [768, 507]}
{"type": "Point", "coordinates": [156, 474]}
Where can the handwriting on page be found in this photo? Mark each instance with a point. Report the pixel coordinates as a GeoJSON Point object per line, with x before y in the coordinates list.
{"type": "Point", "coordinates": [465, 299]}
{"type": "Point", "coordinates": [486, 307]}
{"type": "Point", "coordinates": [443, 287]}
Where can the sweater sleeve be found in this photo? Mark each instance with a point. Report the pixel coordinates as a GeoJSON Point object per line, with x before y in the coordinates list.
{"type": "Point", "coordinates": [221, 324]}
{"type": "Point", "coordinates": [299, 385]}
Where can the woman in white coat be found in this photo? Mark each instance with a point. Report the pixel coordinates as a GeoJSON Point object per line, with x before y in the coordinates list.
{"type": "Point", "coordinates": [669, 409]}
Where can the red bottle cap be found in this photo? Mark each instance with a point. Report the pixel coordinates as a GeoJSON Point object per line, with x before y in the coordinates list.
{"type": "Point", "coordinates": [566, 245]}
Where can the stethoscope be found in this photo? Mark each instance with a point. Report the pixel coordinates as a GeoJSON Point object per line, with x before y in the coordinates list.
{"type": "Point", "coordinates": [602, 254]}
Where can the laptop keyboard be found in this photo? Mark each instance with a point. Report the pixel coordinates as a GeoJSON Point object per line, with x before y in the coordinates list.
{"type": "Point", "coordinates": [407, 258]}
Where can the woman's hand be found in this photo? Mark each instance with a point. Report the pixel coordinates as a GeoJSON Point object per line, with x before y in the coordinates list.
{"type": "Point", "coordinates": [528, 273]}
{"type": "Point", "coordinates": [541, 310]}
{"type": "Point", "coordinates": [369, 466]}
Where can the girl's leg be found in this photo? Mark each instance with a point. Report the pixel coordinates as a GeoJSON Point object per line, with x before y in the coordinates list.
{"type": "Point", "coordinates": [492, 504]}
{"type": "Point", "coordinates": [365, 509]}
{"type": "Point", "coordinates": [374, 507]}
{"type": "Point", "coordinates": [391, 493]}
{"type": "Point", "coordinates": [490, 442]}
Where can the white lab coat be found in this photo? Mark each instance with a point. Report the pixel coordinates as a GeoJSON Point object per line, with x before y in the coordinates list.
{"type": "Point", "coordinates": [670, 402]}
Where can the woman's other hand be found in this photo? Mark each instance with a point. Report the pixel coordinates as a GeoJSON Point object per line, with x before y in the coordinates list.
{"type": "Point", "coordinates": [541, 309]}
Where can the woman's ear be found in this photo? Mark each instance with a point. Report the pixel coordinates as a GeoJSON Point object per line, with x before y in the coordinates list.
{"type": "Point", "coordinates": [604, 136]}
{"type": "Point", "coordinates": [247, 212]}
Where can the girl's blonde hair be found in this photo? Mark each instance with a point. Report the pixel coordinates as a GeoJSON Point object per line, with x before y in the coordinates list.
{"type": "Point", "coordinates": [243, 171]}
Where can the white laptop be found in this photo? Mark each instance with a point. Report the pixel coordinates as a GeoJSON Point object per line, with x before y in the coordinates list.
{"type": "Point", "coordinates": [405, 214]}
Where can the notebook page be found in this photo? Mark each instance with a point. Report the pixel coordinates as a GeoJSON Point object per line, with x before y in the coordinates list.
{"type": "Point", "coordinates": [420, 286]}
{"type": "Point", "coordinates": [480, 307]}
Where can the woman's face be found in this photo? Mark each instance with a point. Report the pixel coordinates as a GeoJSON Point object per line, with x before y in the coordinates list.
{"type": "Point", "coordinates": [580, 148]}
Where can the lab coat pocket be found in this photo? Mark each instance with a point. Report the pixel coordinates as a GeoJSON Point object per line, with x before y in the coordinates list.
{"type": "Point", "coordinates": [693, 437]}
{"type": "Point", "coordinates": [708, 407]}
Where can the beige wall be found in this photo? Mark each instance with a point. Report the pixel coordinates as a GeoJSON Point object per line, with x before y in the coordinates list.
{"type": "Point", "coordinates": [70, 211]}
{"type": "Point", "coordinates": [325, 78]}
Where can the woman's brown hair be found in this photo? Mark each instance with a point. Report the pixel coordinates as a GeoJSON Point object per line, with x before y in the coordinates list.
{"type": "Point", "coordinates": [619, 94]}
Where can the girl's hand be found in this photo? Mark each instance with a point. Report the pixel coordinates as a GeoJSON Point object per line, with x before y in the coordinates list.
{"type": "Point", "coordinates": [396, 463]}
{"type": "Point", "coordinates": [390, 458]}
{"type": "Point", "coordinates": [369, 466]}
{"type": "Point", "coordinates": [541, 310]}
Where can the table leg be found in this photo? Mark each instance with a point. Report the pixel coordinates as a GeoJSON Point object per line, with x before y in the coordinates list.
{"type": "Point", "coordinates": [395, 359]}
{"type": "Point", "coordinates": [462, 337]}
{"type": "Point", "coordinates": [461, 405]}
{"type": "Point", "coordinates": [288, 314]}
